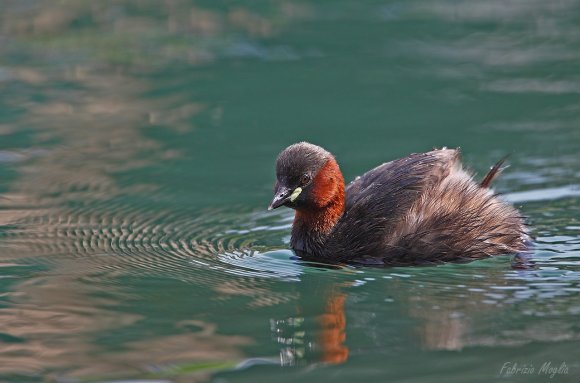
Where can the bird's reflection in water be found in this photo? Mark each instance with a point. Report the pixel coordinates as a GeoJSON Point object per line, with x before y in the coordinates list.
{"type": "Point", "coordinates": [448, 308]}
{"type": "Point", "coordinates": [310, 336]}
{"type": "Point", "coordinates": [333, 329]}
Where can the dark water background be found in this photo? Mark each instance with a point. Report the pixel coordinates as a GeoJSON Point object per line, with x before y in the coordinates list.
{"type": "Point", "coordinates": [137, 142]}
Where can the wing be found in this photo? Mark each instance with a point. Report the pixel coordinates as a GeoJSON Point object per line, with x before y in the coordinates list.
{"type": "Point", "coordinates": [380, 198]}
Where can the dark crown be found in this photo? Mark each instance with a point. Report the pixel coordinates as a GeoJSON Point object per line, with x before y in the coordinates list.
{"type": "Point", "coordinates": [300, 158]}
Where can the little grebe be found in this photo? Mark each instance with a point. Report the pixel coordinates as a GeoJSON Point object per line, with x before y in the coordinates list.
{"type": "Point", "coordinates": [424, 208]}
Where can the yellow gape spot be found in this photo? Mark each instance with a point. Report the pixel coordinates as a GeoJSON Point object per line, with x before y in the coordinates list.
{"type": "Point", "coordinates": [295, 194]}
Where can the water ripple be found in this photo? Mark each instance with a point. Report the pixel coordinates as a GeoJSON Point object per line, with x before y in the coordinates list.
{"type": "Point", "coordinates": [119, 236]}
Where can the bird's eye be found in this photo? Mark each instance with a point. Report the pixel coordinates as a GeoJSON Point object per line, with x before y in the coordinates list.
{"type": "Point", "coordinates": [305, 179]}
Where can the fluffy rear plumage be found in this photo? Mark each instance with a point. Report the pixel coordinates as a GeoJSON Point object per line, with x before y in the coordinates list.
{"type": "Point", "coordinates": [422, 209]}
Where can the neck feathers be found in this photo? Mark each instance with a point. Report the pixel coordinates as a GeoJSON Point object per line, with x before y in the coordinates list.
{"type": "Point", "coordinates": [313, 224]}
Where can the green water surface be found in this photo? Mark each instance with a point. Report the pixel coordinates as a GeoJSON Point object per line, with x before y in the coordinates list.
{"type": "Point", "coordinates": [137, 149]}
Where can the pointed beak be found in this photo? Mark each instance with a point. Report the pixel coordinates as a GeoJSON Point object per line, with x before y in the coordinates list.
{"type": "Point", "coordinates": [281, 196]}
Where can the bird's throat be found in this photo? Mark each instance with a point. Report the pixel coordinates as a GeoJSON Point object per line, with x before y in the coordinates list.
{"type": "Point", "coordinates": [313, 225]}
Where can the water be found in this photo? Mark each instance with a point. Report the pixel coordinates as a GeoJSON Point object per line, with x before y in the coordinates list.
{"type": "Point", "coordinates": [136, 158]}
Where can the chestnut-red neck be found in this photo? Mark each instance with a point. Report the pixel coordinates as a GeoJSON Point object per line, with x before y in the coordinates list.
{"type": "Point", "coordinates": [313, 223]}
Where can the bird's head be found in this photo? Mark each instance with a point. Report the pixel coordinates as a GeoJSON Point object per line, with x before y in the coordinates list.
{"type": "Point", "coordinates": [307, 178]}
